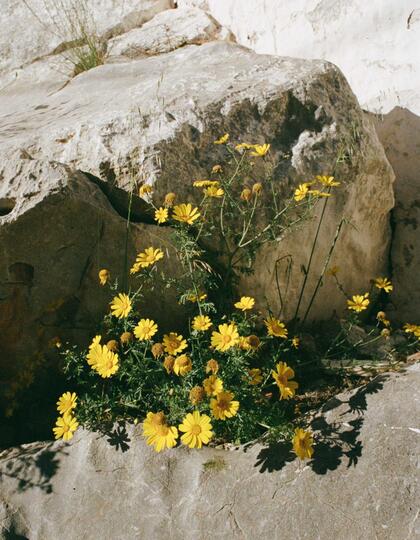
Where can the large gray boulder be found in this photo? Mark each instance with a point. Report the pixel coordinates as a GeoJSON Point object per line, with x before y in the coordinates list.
{"type": "Point", "coordinates": [361, 483]}
{"type": "Point", "coordinates": [161, 115]}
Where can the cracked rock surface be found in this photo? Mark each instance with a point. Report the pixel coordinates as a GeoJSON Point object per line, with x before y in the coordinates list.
{"type": "Point", "coordinates": [361, 482]}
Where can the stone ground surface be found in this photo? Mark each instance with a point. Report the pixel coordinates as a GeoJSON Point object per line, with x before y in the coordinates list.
{"type": "Point", "coordinates": [362, 482]}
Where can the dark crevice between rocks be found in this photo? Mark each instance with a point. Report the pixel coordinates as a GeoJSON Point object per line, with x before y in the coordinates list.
{"type": "Point", "coordinates": [141, 211]}
{"type": "Point", "coordinates": [6, 206]}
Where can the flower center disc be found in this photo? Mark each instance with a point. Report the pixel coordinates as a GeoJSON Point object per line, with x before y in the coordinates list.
{"type": "Point", "coordinates": [196, 429]}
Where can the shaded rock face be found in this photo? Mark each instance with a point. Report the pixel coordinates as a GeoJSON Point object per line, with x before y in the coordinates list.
{"type": "Point", "coordinates": [361, 482]}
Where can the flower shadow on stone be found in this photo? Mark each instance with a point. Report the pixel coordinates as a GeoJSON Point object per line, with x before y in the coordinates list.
{"type": "Point", "coordinates": [119, 438]}
{"type": "Point", "coordinates": [32, 467]}
{"type": "Point", "coordinates": [335, 442]}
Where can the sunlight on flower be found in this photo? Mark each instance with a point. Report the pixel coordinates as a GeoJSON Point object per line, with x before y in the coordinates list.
{"type": "Point", "coordinates": [225, 338]}
{"type": "Point", "coordinates": [223, 406]}
{"type": "Point", "coordinates": [303, 444]}
{"type": "Point", "coordinates": [174, 343]}
{"type": "Point", "coordinates": [212, 385]}
{"type": "Point", "coordinates": [66, 402]}
{"type": "Point", "coordinates": [358, 303]}
{"type": "Point", "coordinates": [383, 283]}
{"type": "Point", "coordinates": [245, 303]}
{"type": "Point", "coordinates": [158, 433]}
{"type": "Point", "coordinates": [275, 327]}
{"type": "Point", "coordinates": [106, 362]}
{"type": "Point", "coordinates": [146, 258]}
{"type": "Point", "coordinates": [214, 192]}
{"type": "Point", "coordinates": [145, 329]}
{"type": "Point", "coordinates": [182, 365]}
{"type": "Point", "coordinates": [224, 139]}
{"type": "Point", "coordinates": [201, 323]}
{"type": "Point", "coordinates": [260, 150]}
{"type": "Point", "coordinates": [301, 191]}
{"type": "Point", "coordinates": [281, 376]}
{"type": "Point", "coordinates": [185, 213]}
{"type": "Point", "coordinates": [327, 181]}
{"type": "Point", "coordinates": [121, 306]}
{"type": "Point", "coordinates": [197, 430]}
{"type": "Point", "coordinates": [65, 427]}
{"type": "Point", "coordinates": [205, 183]}
{"type": "Point", "coordinates": [161, 215]}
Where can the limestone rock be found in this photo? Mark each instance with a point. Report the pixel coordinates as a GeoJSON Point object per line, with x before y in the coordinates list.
{"type": "Point", "coordinates": [161, 114]}
{"type": "Point", "coordinates": [58, 228]}
{"type": "Point", "coordinates": [36, 28]}
{"type": "Point", "coordinates": [167, 31]}
{"type": "Point", "coordinates": [361, 483]}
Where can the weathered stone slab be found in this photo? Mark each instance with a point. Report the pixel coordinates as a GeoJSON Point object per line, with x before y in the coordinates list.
{"type": "Point", "coordinates": [361, 483]}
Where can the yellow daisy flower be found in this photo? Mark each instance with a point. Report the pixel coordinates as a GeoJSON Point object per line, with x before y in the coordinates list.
{"type": "Point", "coordinates": [158, 433]}
{"type": "Point", "coordinates": [287, 387]}
{"type": "Point", "coordinates": [201, 323]}
{"type": "Point", "coordinates": [168, 364]}
{"type": "Point", "coordinates": [317, 193]}
{"type": "Point", "coordinates": [145, 329]}
{"type": "Point", "coordinates": [161, 215]}
{"type": "Point", "coordinates": [205, 183]}
{"type": "Point", "coordinates": [196, 395]}
{"type": "Point", "coordinates": [256, 376]}
{"type": "Point", "coordinates": [212, 366]}
{"type": "Point", "coordinates": [214, 192]}
{"type": "Point", "coordinates": [225, 338]}
{"type": "Point", "coordinates": [94, 351]}
{"type": "Point", "coordinates": [383, 283]}
{"type": "Point", "coordinates": [169, 200]}
{"type": "Point", "coordinates": [358, 302]}
{"type": "Point", "coordinates": [223, 406]}
{"type": "Point", "coordinates": [327, 181]}
{"type": "Point", "coordinates": [246, 195]}
{"type": "Point", "coordinates": [145, 189]}
{"type": "Point", "coordinates": [104, 276]}
{"type": "Point", "coordinates": [195, 298]}
{"type": "Point", "coordinates": [301, 191]}
{"type": "Point", "coordinates": [197, 430]}
{"type": "Point", "coordinates": [260, 150]}
{"type": "Point", "coordinates": [66, 402]}
{"type": "Point", "coordinates": [185, 213]}
{"type": "Point", "coordinates": [145, 259]}
{"type": "Point", "coordinates": [121, 306]}
{"type": "Point", "coordinates": [224, 139]}
{"type": "Point", "coordinates": [243, 146]}
{"type": "Point", "coordinates": [275, 327]}
{"type": "Point", "coordinates": [182, 365]}
{"type": "Point", "coordinates": [174, 343]}
{"type": "Point", "coordinates": [295, 342]}
{"type": "Point", "coordinates": [212, 385]}
{"type": "Point", "coordinates": [243, 343]}
{"type": "Point", "coordinates": [107, 363]}
{"type": "Point", "coordinates": [65, 427]}
{"type": "Point", "coordinates": [303, 444]}
{"type": "Point", "coordinates": [246, 302]}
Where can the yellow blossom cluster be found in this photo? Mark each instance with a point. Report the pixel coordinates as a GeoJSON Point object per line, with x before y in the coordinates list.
{"type": "Point", "coordinates": [66, 424]}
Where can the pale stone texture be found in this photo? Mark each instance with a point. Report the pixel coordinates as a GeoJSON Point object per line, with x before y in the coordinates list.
{"type": "Point", "coordinates": [35, 28]}
{"type": "Point", "coordinates": [166, 32]}
{"type": "Point", "coordinates": [58, 228]}
{"type": "Point", "coordinates": [361, 483]}
{"type": "Point", "coordinates": [376, 44]}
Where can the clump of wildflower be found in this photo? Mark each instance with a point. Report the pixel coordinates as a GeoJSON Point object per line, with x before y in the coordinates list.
{"type": "Point", "coordinates": [201, 323]}
{"type": "Point", "coordinates": [359, 302]}
{"type": "Point", "coordinates": [65, 427]}
{"type": "Point", "coordinates": [384, 284]}
{"type": "Point", "coordinates": [303, 444]}
{"type": "Point", "coordinates": [225, 338]}
{"type": "Point", "coordinates": [245, 303]}
{"type": "Point", "coordinates": [104, 276]}
{"type": "Point", "coordinates": [182, 365]}
{"type": "Point", "coordinates": [185, 213]}
{"type": "Point", "coordinates": [282, 376]}
{"type": "Point", "coordinates": [197, 430]}
{"type": "Point", "coordinates": [67, 402]}
{"type": "Point", "coordinates": [145, 329]}
{"type": "Point", "coordinates": [121, 306]}
{"type": "Point", "coordinates": [158, 433]}
{"type": "Point", "coordinates": [276, 328]}
{"type": "Point", "coordinates": [106, 362]}
{"type": "Point", "coordinates": [174, 343]}
{"type": "Point", "coordinates": [223, 406]}
{"type": "Point", "coordinates": [161, 215]}
{"type": "Point", "coordinates": [213, 385]}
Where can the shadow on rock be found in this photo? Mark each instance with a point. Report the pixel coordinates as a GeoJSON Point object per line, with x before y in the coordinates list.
{"type": "Point", "coordinates": [336, 439]}
{"type": "Point", "coordinates": [31, 467]}
{"type": "Point", "coordinates": [119, 438]}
